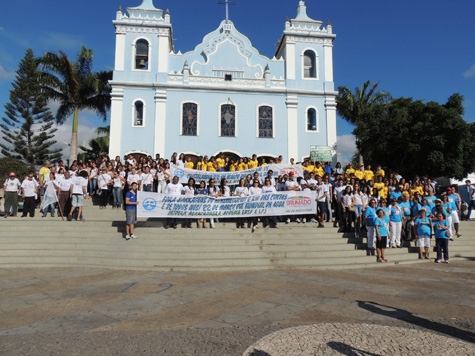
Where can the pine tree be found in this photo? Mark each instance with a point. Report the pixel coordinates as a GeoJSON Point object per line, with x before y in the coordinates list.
{"type": "Point", "coordinates": [28, 127]}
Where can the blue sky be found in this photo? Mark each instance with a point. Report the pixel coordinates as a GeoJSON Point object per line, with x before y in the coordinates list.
{"type": "Point", "coordinates": [421, 49]}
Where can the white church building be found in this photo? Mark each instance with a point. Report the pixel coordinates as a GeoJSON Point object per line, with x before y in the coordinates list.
{"type": "Point", "coordinates": [222, 96]}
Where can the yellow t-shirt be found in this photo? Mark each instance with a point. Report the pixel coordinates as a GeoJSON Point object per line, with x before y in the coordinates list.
{"type": "Point", "coordinates": [242, 167]}
{"type": "Point", "coordinates": [252, 164]}
{"type": "Point", "coordinates": [232, 167]}
{"type": "Point", "coordinates": [211, 167]}
{"type": "Point", "coordinates": [413, 191]}
{"type": "Point", "coordinates": [384, 192]}
{"type": "Point", "coordinates": [44, 172]}
{"type": "Point", "coordinates": [310, 168]}
{"type": "Point", "coordinates": [349, 171]}
{"type": "Point", "coordinates": [189, 165]}
{"type": "Point", "coordinates": [359, 174]}
{"type": "Point", "coordinates": [380, 173]}
{"type": "Point", "coordinates": [204, 166]}
{"type": "Point", "coordinates": [220, 162]}
{"type": "Point", "coordinates": [368, 175]}
{"type": "Point", "coordinates": [377, 186]}
{"type": "Point", "coordinates": [263, 164]}
{"type": "Point", "coordinates": [319, 171]}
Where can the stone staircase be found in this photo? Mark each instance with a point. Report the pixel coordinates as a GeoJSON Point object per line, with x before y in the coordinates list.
{"type": "Point", "coordinates": [99, 242]}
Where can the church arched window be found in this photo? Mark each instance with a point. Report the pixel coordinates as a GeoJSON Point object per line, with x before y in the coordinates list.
{"type": "Point", "coordinates": [266, 121]}
{"type": "Point", "coordinates": [312, 120]}
{"type": "Point", "coordinates": [309, 64]}
{"type": "Point", "coordinates": [228, 120]}
{"type": "Point", "coordinates": [139, 110]}
{"type": "Point", "coordinates": [141, 54]}
{"type": "Point", "coordinates": [189, 119]}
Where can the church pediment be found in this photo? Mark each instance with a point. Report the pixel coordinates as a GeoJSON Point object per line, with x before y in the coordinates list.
{"type": "Point", "coordinates": [226, 51]}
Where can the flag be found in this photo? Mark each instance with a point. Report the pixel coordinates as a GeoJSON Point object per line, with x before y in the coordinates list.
{"type": "Point", "coordinates": [50, 196]}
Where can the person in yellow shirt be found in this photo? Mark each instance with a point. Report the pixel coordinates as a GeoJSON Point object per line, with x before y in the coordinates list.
{"type": "Point", "coordinates": [359, 173]}
{"type": "Point", "coordinates": [379, 186]}
{"type": "Point", "coordinates": [368, 173]}
{"type": "Point", "coordinates": [43, 175]}
{"type": "Point", "coordinates": [189, 164]}
{"type": "Point", "coordinates": [221, 162]}
{"type": "Point", "coordinates": [253, 162]}
{"type": "Point", "coordinates": [212, 165]}
{"type": "Point", "coordinates": [380, 172]}
{"type": "Point", "coordinates": [241, 165]}
{"type": "Point", "coordinates": [232, 166]}
{"type": "Point", "coordinates": [199, 163]}
{"type": "Point", "coordinates": [318, 170]}
{"type": "Point", "coordinates": [263, 162]}
{"type": "Point", "coordinates": [204, 166]}
{"type": "Point", "coordinates": [384, 193]}
{"type": "Point", "coordinates": [350, 170]}
{"type": "Point", "coordinates": [311, 167]}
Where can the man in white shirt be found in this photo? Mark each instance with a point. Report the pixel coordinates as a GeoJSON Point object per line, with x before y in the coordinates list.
{"type": "Point", "coordinates": [133, 177]}
{"type": "Point", "coordinates": [29, 190]}
{"type": "Point", "coordinates": [11, 188]}
{"type": "Point", "coordinates": [64, 193]}
{"type": "Point", "coordinates": [77, 192]}
{"type": "Point", "coordinates": [174, 188]}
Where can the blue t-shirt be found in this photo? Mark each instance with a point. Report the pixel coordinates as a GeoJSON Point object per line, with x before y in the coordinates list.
{"type": "Point", "coordinates": [443, 212]}
{"type": "Point", "coordinates": [431, 201]}
{"type": "Point", "coordinates": [133, 199]}
{"type": "Point", "coordinates": [386, 214]}
{"type": "Point", "coordinates": [395, 195]}
{"type": "Point", "coordinates": [396, 212]}
{"type": "Point", "coordinates": [423, 226]}
{"type": "Point", "coordinates": [415, 208]}
{"type": "Point", "coordinates": [452, 200]}
{"type": "Point", "coordinates": [426, 208]}
{"type": "Point", "coordinates": [447, 206]}
{"type": "Point", "coordinates": [202, 191]}
{"type": "Point", "coordinates": [406, 207]}
{"type": "Point", "coordinates": [439, 233]}
{"type": "Point", "coordinates": [370, 213]}
{"type": "Point", "coordinates": [382, 226]}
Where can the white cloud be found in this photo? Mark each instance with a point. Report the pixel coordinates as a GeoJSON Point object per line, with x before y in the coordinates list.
{"type": "Point", "coordinates": [4, 75]}
{"type": "Point", "coordinates": [346, 148]}
{"type": "Point", "coordinates": [63, 137]}
{"type": "Point", "coordinates": [470, 72]}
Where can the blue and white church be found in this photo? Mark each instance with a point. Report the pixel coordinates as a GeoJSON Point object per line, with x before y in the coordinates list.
{"type": "Point", "coordinates": [223, 96]}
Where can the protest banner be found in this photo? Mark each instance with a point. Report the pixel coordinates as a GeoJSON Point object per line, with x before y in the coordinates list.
{"type": "Point", "coordinates": [157, 205]}
{"type": "Point", "coordinates": [233, 177]}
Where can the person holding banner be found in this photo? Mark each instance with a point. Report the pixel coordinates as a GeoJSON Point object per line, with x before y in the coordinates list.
{"type": "Point", "coordinates": [189, 191]}
{"type": "Point", "coordinates": [269, 188]}
{"type": "Point", "coordinates": [202, 191]}
{"type": "Point", "coordinates": [50, 197]}
{"type": "Point", "coordinates": [213, 191]}
{"type": "Point", "coordinates": [131, 203]}
{"type": "Point", "coordinates": [255, 190]}
{"type": "Point", "coordinates": [241, 191]}
{"type": "Point", "coordinates": [174, 189]}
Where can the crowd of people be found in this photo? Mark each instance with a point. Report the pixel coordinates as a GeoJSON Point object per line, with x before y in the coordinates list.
{"type": "Point", "coordinates": [385, 206]}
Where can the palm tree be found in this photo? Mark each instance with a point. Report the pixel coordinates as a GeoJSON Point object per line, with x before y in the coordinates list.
{"type": "Point", "coordinates": [358, 106]}
{"type": "Point", "coordinates": [76, 87]}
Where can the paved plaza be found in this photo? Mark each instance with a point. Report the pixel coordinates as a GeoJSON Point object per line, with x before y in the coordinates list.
{"type": "Point", "coordinates": [420, 309]}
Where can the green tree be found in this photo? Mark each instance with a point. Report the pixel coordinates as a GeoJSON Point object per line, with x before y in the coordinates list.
{"type": "Point", "coordinates": [9, 164]}
{"type": "Point", "coordinates": [414, 138]}
{"type": "Point", "coordinates": [76, 87]}
{"type": "Point", "coordinates": [358, 106]}
{"type": "Point", "coordinates": [98, 146]}
{"type": "Point", "coordinates": [28, 127]}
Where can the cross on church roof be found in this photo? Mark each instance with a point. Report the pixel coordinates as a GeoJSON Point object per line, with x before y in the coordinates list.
{"type": "Point", "coordinates": [227, 3]}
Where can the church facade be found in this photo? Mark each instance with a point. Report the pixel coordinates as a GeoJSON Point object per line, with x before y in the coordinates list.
{"type": "Point", "coordinates": [223, 96]}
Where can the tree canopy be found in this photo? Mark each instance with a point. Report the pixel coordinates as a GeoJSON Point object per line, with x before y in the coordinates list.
{"type": "Point", "coordinates": [416, 138]}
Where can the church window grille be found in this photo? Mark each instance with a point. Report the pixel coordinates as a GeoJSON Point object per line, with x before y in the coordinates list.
{"type": "Point", "coordinates": [139, 113]}
{"type": "Point", "coordinates": [228, 120]}
{"type": "Point", "coordinates": [266, 122]}
{"type": "Point", "coordinates": [312, 120]}
{"type": "Point", "coordinates": [190, 119]}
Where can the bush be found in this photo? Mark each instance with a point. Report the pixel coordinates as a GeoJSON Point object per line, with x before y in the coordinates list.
{"type": "Point", "coordinates": [8, 165]}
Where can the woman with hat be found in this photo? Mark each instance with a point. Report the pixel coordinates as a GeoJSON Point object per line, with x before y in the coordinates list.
{"type": "Point", "coordinates": [11, 188]}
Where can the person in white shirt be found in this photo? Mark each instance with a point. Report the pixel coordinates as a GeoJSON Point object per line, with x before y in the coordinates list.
{"type": "Point", "coordinates": [266, 189]}
{"type": "Point", "coordinates": [174, 188]}
{"type": "Point", "coordinates": [337, 195]}
{"type": "Point", "coordinates": [11, 188]}
{"type": "Point", "coordinates": [147, 180]}
{"type": "Point", "coordinates": [133, 177]}
{"type": "Point", "coordinates": [50, 182]}
{"type": "Point", "coordinates": [117, 190]}
{"type": "Point", "coordinates": [189, 191]}
{"type": "Point", "coordinates": [291, 185]}
{"type": "Point", "coordinates": [347, 202]}
{"type": "Point", "coordinates": [93, 179]}
{"type": "Point", "coordinates": [29, 191]}
{"type": "Point", "coordinates": [103, 182]}
{"type": "Point", "coordinates": [77, 192]}
{"type": "Point", "coordinates": [64, 194]}
{"type": "Point", "coordinates": [214, 191]}
{"type": "Point", "coordinates": [255, 190]}
{"type": "Point", "coordinates": [241, 191]}
{"type": "Point", "coordinates": [322, 192]}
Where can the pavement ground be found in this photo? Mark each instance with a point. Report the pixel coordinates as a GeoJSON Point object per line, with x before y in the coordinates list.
{"type": "Point", "coordinates": [420, 309]}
